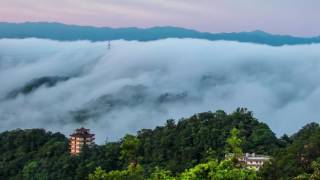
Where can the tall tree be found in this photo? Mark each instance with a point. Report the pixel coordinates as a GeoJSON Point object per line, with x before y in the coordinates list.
{"type": "Point", "coordinates": [234, 143]}
{"type": "Point", "coordinates": [129, 149]}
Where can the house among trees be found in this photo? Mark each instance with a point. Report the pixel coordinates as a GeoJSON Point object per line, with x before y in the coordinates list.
{"type": "Point", "coordinates": [81, 137]}
{"type": "Point", "coordinates": [253, 160]}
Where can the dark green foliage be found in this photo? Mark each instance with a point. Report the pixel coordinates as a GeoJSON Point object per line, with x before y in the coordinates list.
{"type": "Point", "coordinates": [37, 154]}
{"type": "Point", "coordinates": [213, 169]}
{"type": "Point", "coordinates": [129, 149]}
{"type": "Point", "coordinates": [296, 158]}
{"type": "Point", "coordinates": [166, 151]}
{"type": "Point", "coordinates": [133, 172]}
{"type": "Point", "coordinates": [177, 146]}
{"type": "Point", "coordinates": [224, 170]}
{"type": "Point", "coordinates": [19, 149]}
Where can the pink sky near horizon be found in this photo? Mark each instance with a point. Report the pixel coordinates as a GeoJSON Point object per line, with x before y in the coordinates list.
{"type": "Point", "coordinates": [294, 17]}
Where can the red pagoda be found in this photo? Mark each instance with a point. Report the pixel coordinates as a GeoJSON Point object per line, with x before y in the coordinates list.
{"type": "Point", "coordinates": [80, 138]}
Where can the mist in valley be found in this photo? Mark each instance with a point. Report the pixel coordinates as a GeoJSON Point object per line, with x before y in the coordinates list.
{"type": "Point", "coordinates": [61, 86]}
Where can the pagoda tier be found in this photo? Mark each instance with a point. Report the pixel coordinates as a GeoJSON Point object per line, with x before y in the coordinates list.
{"type": "Point", "coordinates": [80, 138]}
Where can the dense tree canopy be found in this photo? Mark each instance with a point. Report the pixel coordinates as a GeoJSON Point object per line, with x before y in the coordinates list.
{"type": "Point", "coordinates": [226, 169]}
{"type": "Point", "coordinates": [37, 154]}
{"type": "Point", "coordinates": [174, 150]}
{"type": "Point", "coordinates": [297, 157]}
{"type": "Point", "coordinates": [181, 145]}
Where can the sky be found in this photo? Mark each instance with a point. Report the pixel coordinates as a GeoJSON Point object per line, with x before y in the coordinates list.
{"type": "Point", "coordinates": [294, 17]}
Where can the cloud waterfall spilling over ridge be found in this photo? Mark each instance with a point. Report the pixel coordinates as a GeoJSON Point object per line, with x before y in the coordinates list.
{"type": "Point", "coordinates": [63, 85]}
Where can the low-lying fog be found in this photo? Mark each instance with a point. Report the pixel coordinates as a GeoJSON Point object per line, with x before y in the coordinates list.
{"type": "Point", "coordinates": [64, 85]}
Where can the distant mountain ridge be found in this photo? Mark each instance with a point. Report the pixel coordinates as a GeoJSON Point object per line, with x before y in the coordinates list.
{"type": "Point", "coordinates": [63, 32]}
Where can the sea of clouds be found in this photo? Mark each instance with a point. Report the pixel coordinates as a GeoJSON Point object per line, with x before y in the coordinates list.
{"type": "Point", "coordinates": [138, 85]}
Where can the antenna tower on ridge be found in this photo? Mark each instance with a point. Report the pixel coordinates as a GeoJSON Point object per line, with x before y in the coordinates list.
{"type": "Point", "coordinates": [109, 45]}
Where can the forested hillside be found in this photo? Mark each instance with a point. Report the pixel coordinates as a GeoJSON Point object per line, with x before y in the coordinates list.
{"type": "Point", "coordinates": [191, 147]}
{"type": "Point", "coordinates": [300, 156]}
{"type": "Point", "coordinates": [58, 31]}
{"type": "Point", "coordinates": [181, 145]}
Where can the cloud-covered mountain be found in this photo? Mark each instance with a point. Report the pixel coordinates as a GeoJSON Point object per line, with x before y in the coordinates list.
{"type": "Point", "coordinates": [138, 85]}
{"type": "Point", "coordinates": [35, 84]}
{"type": "Point", "coordinates": [57, 31]}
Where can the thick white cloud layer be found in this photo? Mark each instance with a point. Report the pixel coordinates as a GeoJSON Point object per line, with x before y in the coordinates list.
{"type": "Point", "coordinates": [141, 84]}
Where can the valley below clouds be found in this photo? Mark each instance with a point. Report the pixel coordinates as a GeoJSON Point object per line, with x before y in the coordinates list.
{"type": "Point", "coordinates": [61, 86]}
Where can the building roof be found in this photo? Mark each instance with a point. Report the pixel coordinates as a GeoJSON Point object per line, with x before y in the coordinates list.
{"type": "Point", "coordinates": [82, 132]}
{"type": "Point", "coordinates": [255, 157]}
{"type": "Point", "coordinates": [258, 158]}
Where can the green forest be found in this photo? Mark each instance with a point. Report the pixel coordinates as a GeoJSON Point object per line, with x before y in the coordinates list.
{"type": "Point", "coordinates": [189, 148]}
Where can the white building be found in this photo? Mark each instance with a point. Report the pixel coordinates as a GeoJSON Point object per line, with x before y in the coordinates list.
{"type": "Point", "coordinates": [252, 160]}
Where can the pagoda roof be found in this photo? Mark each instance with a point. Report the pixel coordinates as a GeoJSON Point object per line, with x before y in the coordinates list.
{"type": "Point", "coordinates": [82, 132]}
